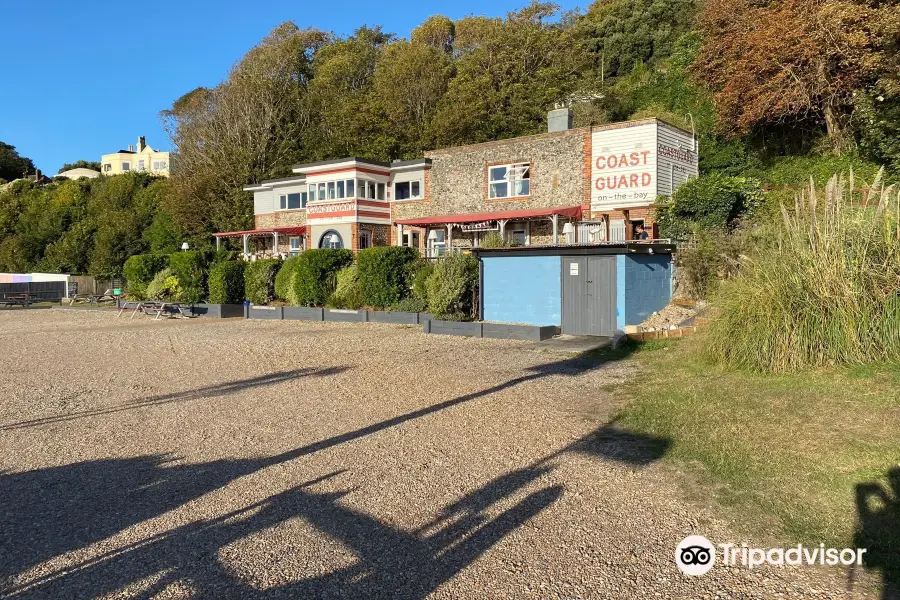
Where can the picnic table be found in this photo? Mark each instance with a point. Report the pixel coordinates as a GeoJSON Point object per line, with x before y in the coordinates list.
{"type": "Point", "coordinates": [157, 309]}
{"type": "Point", "coordinates": [24, 299]}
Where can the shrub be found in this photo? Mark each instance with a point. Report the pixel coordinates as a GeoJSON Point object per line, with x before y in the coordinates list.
{"type": "Point", "coordinates": [165, 286]}
{"type": "Point", "coordinates": [410, 304]}
{"type": "Point", "coordinates": [823, 292]}
{"type": "Point", "coordinates": [226, 282]}
{"type": "Point", "coordinates": [451, 287]}
{"type": "Point", "coordinates": [493, 240]}
{"type": "Point", "coordinates": [140, 269]}
{"type": "Point", "coordinates": [316, 270]}
{"type": "Point", "coordinates": [712, 201]}
{"type": "Point", "coordinates": [259, 280]}
{"type": "Point", "coordinates": [284, 281]}
{"type": "Point", "coordinates": [190, 269]}
{"type": "Point", "coordinates": [420, 274]}
{"type": "Point", "coordinates": [384, 274]}
{"type": "Point", "coordinates": [714, 256]}
{"type": "Point", "coordinates": [348, 289]}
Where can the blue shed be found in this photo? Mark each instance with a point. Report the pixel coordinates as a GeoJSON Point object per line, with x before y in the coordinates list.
{"type": "Point", "coordinates": [584, 290]}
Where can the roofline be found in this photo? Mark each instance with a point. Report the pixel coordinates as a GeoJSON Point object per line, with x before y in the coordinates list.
{"type": "Point", "coordinates": [578, 249]}
{"type": "Point", "coordinates": [400, 165]}
{"type": "Point", "coordinates": [337, 161]}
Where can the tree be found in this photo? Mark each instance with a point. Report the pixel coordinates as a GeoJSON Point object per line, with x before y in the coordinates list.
{"type": "Point", "coordinates": [794, 61]}
{"type": "Point", "coordinates": [437, 32]}
{"type": "Point", "coordinates": [80, 164]}
{"type": "Point", "coordinates": [13, 166]}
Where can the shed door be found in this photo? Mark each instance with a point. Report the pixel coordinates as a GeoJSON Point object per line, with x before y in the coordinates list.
{"type": "Point", "coordinates": [589, 295]}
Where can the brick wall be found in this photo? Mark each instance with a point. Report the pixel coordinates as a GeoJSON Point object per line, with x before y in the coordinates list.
{"type": "Point", "coordinates": [457, 182]}
{"type": "Point", "coordinates": [287, 218]}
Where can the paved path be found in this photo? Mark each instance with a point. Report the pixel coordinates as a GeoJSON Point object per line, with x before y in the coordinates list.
{"type": "Point", "coordinates": [253, 459]}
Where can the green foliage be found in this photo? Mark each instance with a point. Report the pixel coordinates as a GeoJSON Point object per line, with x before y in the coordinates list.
{"type": "Point", "coordinates": [13, 166]}
{"type": "Point", "coordinates": [190, 270]}
{"type": "Point", "coordinates": [348, 292]}
{"type": "Point", "coordinates": [315, 276]}
{"type": "Point", "coordinates": [451, 287]}
{"type": "Point", "coordinates": [384, 274]}
{"type": "Point", "coordinates": [226, 282]}
{"type": "Point", "coordinates": [709, 201]}
{"type": "Point", "coordinates": [165, 286]}
{"type": "Point", "coordinates": [80, 164]}
{"type": "Point", "coordinates": [420, 274]}
{"type": "Point", "coordinates": [823, 292]}
{"type": "Point", "coordinates": [284, 281]}
{"type": "Point", "coordinates": [712, 257]}
{"type": "Point", "coordinates": [259, 280]}
{"type": "Point", "coordinates": [140, 269]}
{"type": "Point", "coordinates": [410, 304]}
{"type": "Point", "coordinates": [494, 240]}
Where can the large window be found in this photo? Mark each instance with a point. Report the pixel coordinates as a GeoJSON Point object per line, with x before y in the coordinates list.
{"type": "Point", "coordinates": [295, 245]}
{"type": "Point", "coordinates": [160, 165]}
{"type": "Point", "coordinates": [408, 190]}
{"type": "Point", "coordinates": [331, 239]}
{"type": "Point", "coordinates": [509, 181]}
{"type": "Point", "coordinates": [365, 240]}
{"type": "Point", "coordinates": [351, 188]}
{"type": "Point", "coordinates": [292, 201]}
{"type": "Point", "coordinates": [141, 165]}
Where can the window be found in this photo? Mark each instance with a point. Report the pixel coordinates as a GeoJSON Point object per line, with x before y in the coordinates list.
{"type": "Point", "coordinates": [312, 192]}
{"type": "Point", "coordinates": [126, 166]}
{"type": "Point", "coordinates": [294, 242]}
{"type": "Point", "coordinates": [292, 201]}
{"type": "Point", "coordinates": [321, 191]}
{"type": "Point", "coordinates": [509, 181]}
{"type": "Point", "coordinates": [141, 165]}
{"type": "Point", "coordinates": [408, 190]}
{"type": "Point", "coordinates": [340, 189]}
{"type": "Point", "coordinates": [331, 195]}
{"type": "Point", "coordinates": [331, 239]}
{"type": "Point", "coordinates": [381, 191]}
{"type": "Point", "coordinates": [365, 240]}
{"type": "Point", "coordinates": [518, 237]}
{"type": "Point", "coordinates": [107, 167]}
{"type": "Point", "coordinates": [159, 165]}
{"type": "Point", "coordinates": [351, 188]}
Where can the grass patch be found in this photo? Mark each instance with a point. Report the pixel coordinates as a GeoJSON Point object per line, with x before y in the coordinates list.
{"type": "Point", "coordinates": [795, 449]}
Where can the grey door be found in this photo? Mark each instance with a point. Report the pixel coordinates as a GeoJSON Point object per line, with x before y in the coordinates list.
{"type": "Point", "coordinates": [588, 295]}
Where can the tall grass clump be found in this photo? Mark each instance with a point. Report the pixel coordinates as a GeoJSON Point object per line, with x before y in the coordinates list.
{"type": "Point", "coordinates": [824, 290]}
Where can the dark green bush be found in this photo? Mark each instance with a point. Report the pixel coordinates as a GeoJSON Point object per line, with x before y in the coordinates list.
{"type": "Point", "coordinates": [451, 287]}
{"type": "Point", "coordinates": [226, 282]}
{"type": "Point", "coordinates": [284, 281]}
{"type": "Point", "coordinates": [348, 290]}
{"type": "Point", "coordinates": [711, 201]}
{"type": "Point", "coordinates": [421, 272]}
{"type": "Point", "coordinates": [315, 276]}
{"type": "Point", "coordinates": [259, 280]}
{"type": "Point", "coordinates": [384, 274]}
{"type": "Point", "coordinates": [190, 269]}
{"type": "Point", "coordinates": [140, 269]}
{"type": "Point", "coordinates": [410, 304]}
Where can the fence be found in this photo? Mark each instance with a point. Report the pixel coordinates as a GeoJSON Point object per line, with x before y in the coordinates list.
{"type": "Point", "coordinates": [39, 290]}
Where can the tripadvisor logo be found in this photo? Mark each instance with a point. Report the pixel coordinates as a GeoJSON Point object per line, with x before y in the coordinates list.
{"type": "Point", "coordinates": [695, 555]}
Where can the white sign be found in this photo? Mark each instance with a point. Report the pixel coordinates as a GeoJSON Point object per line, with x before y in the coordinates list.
{"type": "Point", "coordinates": [623, 166]}
{"type": "Point", "coordinates": [480, 226]}
{"type": "Point", "coordinates": [573, 268]}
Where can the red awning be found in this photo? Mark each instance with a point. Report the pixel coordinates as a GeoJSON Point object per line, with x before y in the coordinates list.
{"type": "Point", "coordinates": [295, 230]}
{"type": "Point", "coordinates": [563, 211]}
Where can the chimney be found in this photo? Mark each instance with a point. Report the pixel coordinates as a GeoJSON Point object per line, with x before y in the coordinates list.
{"type": "Point", "coordinates": [142, 143]}
{"type": "Point", "coordinates": [130, 148]}
{"type": "Point", "coordinates": [559, 119]}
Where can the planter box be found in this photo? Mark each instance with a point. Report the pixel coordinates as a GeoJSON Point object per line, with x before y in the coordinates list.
{"type": "Point", "coordinates": [218, 311]}
{"type": "Point", "coordinates": [302, 313]}
{"type": "Point", "coordinates": [465, 328]}
{"type": "Point", "coordinates": [504, 331]}
{"type": "Point", "coordinates": [387, 316]}
{"type": "Point", "coordinates": [345, 316]}
{"type": "Point", "coordinates": [264, 312]}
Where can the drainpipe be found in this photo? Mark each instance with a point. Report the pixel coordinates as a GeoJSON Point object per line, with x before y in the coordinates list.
{"type": "Point", "coordinates": [502, 224]}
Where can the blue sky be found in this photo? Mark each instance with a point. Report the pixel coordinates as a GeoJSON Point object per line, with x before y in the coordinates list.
{"type": "Point", "coordinates": [87, 78]}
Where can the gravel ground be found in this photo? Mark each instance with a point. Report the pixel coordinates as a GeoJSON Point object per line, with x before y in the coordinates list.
{"type": "Point", "coordinates": [245, 459]}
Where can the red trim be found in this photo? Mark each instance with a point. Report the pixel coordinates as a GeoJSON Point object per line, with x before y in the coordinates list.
{"type": "Point", "coordinates": [564, 211]}
{"type": "Point", "coordinates": [370, 213]}
{"type": "Point", "coordinates": [330, 215]}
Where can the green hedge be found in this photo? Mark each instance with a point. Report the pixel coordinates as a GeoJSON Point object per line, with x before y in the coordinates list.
{"type": "Point", "coordinates": [284, 281]}
{"type": "Point", "coordinates": [190, 269]}
{"type": "Point", "coordinates": [316, 271]}
{"type": "Point", "coordinates": [140, 269]}
{"type": "Point", "coordinates": [259, 280]}
{"type": "Point", "coordinates": [226, 282]}
{"type": "Point", "coordinates": [347, 291]}
{"type": "Point", "coordinates": [384, 274]}
{"type": "Point", "coordinates": [451, 287]}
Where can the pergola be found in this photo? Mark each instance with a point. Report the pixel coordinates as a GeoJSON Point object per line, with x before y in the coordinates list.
{"type": "Point", "coordinates": [502, 217]}
{"type": "Point", "coordinates": [274, 232]}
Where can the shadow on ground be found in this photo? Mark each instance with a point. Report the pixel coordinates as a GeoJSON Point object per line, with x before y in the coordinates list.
{"type": "Point", "coordinates": [51, 512]}
{"type": "Point", "coordinates": [878, 530]}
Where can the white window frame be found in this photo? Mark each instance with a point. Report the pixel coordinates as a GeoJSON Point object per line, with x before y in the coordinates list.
{"type": "Point", "coordinates": [418, 196]}
{"type": "Point", "coordinates": [514, 172]}
{"type": "Point", "coordinates": [367, 235]}
{"type": "Point", "coordinates": [437, 248]}
{"type": "Point", "coordinates": [351, 193]}
{"type": "Point", "coordinates": [284, 204]}
{"type": "Point", "coordinates": [295, 251]}
{"type": "Point", "coordinates": [159, 165]}
{"type": "Point", "coordinates": [141, 164]}
{"type": "Point", "coordinates": [126, 166]}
